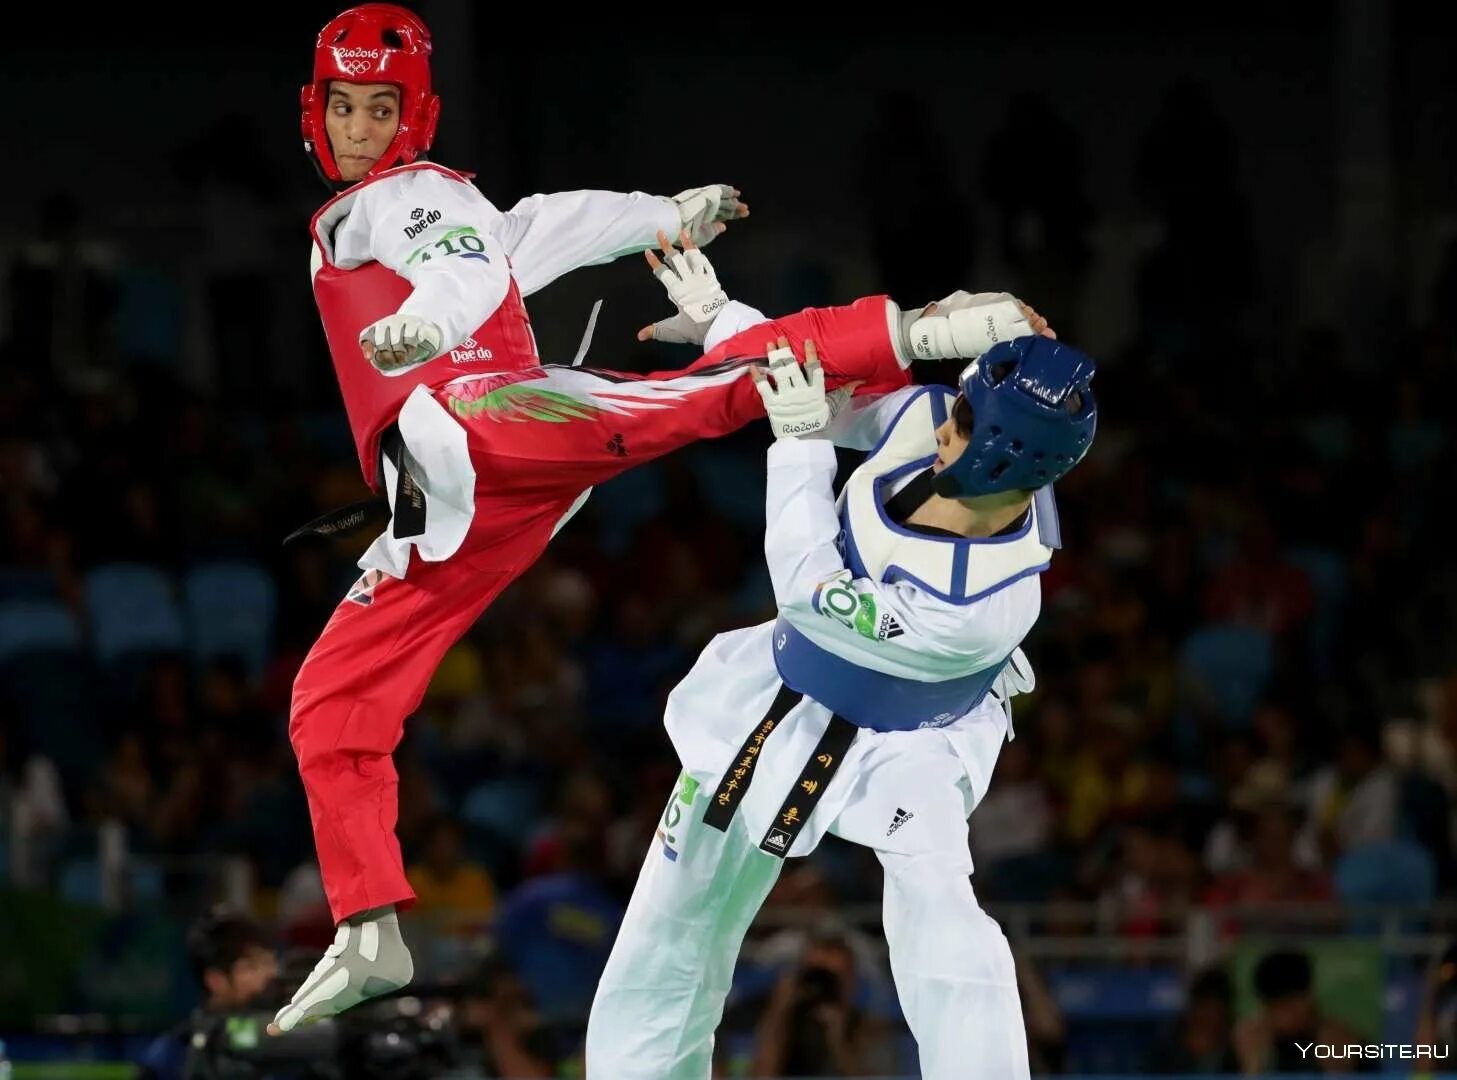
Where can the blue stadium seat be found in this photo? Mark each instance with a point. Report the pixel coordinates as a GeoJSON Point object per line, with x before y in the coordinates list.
{"type": "Point", "coordinates": [1327, 572]}
{"type": "Point", "coordinates": [18, 584]}
{"type": "Point", "coordinates": [80, 882]}
{"type": "Point", "coordinates": [132, 609]}
{"type": "Point", "coordinates": [505, 807]}
{"type": "Point", "coordinates": [230, 611]}
{"type": "Point", "coordinates": [29, 626]}
{"type": "Point", "coordinates": [1224, 667]}
{"type": "Point", "coordinates": [47, 684]}
{"type": "Point", "coordinates": [1396, 872]}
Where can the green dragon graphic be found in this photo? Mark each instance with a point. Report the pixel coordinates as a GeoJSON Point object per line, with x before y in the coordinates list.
{"type": "Point", "coordinates": [519, 402]}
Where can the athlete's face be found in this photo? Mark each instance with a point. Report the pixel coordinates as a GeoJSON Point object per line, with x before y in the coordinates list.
{"type": "Point", "coordinates": [361, 119]}
{"type": "Point", "coordinates": [953, 434]}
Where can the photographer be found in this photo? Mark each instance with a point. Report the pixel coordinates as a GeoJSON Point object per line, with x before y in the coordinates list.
{"type": "Point", "coordinates": [501, 1032]}
{"type": "Point", "coordinates": [234, 965]}
{"type": "Point", "coordinates": [811, 1027]}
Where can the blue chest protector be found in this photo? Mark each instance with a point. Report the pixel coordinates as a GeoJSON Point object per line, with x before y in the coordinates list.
{"type": "Point", "coordinates": [958, 571]}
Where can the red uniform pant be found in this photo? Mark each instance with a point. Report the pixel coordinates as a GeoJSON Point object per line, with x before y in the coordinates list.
{"type": "Point", "coordinates": [535, 448]}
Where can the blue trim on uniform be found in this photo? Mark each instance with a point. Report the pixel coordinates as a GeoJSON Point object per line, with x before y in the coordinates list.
{"type": "Point", "coordinates": [852, 553]}
{"type": "Point", "coordinates": [901, 470]}
{"type": "Point", "coordinates": [958, 570]}
{"type": "Point", "coordinates": [895, 573]}
{"type": "Point", "coordinates": [873, 699]}
{"type": "Point", "coordinates": [918, 465]}
{"type": "Point", "coordinates": [960, 552]}
{"type": "Point", "coordinates": [915, 466]}
{"type": "Point", "coordinates": [922, 392]}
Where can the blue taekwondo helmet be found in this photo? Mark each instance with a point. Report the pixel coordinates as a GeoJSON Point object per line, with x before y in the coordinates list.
{"type": "Point", "coordinates": [1032, 418]}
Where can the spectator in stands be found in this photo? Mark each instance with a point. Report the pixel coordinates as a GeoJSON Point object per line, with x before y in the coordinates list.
{"type": "Point", "coordinates": [444, 880]}
{"type": "Point", "coordinates": [1016, 816]}
{"type": "Point", "coordinates": [501, 1032]}
{"type": "Point", "coordinates": [556, 930]}
{"type": "Point", "coordinates": [1354, 800]}
{"type": "Point", "coordinates": [1200, 1042]}
{"type": "Point", "coordinates": [1154, 879]}
{"type": "Point", "coordinates": [1269, 872]}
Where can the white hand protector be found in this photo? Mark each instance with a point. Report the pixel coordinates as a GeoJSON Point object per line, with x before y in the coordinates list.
{"type": "Point", "coordinates": [693, 287]}
{"type": "Point", "coordinates": [397, 343]}
{"type": "Point", "coordinates": [699, 209]}
{"type": "Point", "coordinates": [963, 326]}
{"type": "Point", "coordinates": [796, 401]}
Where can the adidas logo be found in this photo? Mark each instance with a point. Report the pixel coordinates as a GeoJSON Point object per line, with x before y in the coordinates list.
{"type": "Point", "coordinates": [777, 839]}
{"type": "Point", "coordinates": [889, 628]}
{"type": "Point", "coordinates": [901, 817]}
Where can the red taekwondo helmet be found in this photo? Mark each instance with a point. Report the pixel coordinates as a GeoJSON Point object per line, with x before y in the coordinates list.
{"type": "Point", "coordinates": [373, 43]}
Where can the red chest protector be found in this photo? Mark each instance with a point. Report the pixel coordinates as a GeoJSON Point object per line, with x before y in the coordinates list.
{"type": "Point", "coordinates": [350, 300]}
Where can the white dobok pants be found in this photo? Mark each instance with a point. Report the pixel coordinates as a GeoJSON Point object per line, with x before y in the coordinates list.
{"type": "Point", "coordinates": [907, 795]}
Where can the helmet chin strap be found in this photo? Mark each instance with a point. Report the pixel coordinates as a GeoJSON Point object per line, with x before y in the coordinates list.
{"type": "Point", "coordinates": [337, 186]}
{"type": "Point", "coordinates": [946, 486]}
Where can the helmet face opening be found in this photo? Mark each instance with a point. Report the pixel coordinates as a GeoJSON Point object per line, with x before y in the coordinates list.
{"type": "Point", "coordinates": [373, 43]}
{"type": "Point", "coordinates": [962, 417]}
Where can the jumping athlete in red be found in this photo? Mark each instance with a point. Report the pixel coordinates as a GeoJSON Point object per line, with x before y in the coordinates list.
{"type": "Point", "coordinates": [482, 451]}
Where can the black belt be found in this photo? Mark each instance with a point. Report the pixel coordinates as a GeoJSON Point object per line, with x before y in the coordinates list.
{"type": "Point", "coordinates": [344, 521]}
{"type": "Point", "coordinates": [736, 780]}
{"type": "Point", "coordinates": [808, 787]}
{"type": "Point", "coordinates": [409, 499]}
{"type": "Point", "coordinates": [409, 510]}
